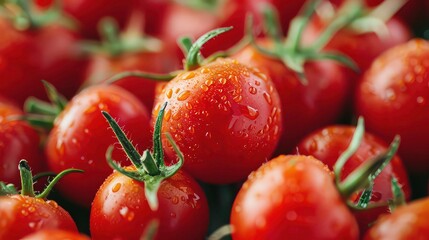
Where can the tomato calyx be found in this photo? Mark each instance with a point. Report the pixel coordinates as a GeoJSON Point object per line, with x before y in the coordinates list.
{"type": "Point", "coordinates": [115, 43]}
{"type": "Point", "coordinates": [149, 166]}
{"type": "Point", "coordinates": [27, 182]}
{"type": "Point", "coordinates": [26, 15]}
{"type": "Point", "coordinates": [42, 114]}
{"type": "Point", "coordinates": [289, 50]}
{"type": "Point", "coordinates": [193, 59]}
{"type": "Point", "coordinates": [363, 177]}
{"type": "Point", "coordinates": [398, 195]}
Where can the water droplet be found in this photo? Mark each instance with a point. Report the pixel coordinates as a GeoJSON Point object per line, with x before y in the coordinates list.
{"type": "Point", "coordinates": [74, 140]}
{"type": "Point", "coordinates": [175, 200]}
{"type": "Point", "coordinates": [90, 161]}
{"type": "Point", "coordinates": [52, 203]}
{"type": "Point", "coordinates": [173, 215]}
{"type": "Point", "coordinates": [191, 129]}
{"type": "Point", "coordinates": [208, 135]}
{"type": "Point", "coordinates": [188, 106]}
{"type": "Point", "coordinates": [169, 93]}
{"type": "Point", "coordinates": [176, 116]}
{"type": "Point", "coordinates": [31, 224]}
{"type": "Point", "coordinates": [177, 90]}
{"type": "Point", "coordinates": [188, 75]}
{"type": "Point", "coordinates": [184, 95]}
{"type": "Point", "coordinates": [205, 70]}
{"type": "Point", "coordinates": [31, 209]}
{"type": "Point", "coordinates": [208, 82]}
{"type": "Point", "coordinates": [117, 187]}
{"type": "Point", "coordinates": [237, 98]}
{"type": "Point", "coordinates": [90, 109]}
{"type": "Point", "coordinates": [222, 81]}
{"type": "Point", "coordinates": [249, 112]}
{"type": "Point", "coordinates": [23, 212]}
{"type": "Point", "coordinates": [204, 87]}
{"type": "Point", "coordinates": [167, 115]}
{"type": "Point", "coordinates": [257, 83]}
{"type": "Point", "coordinates": [420, 100]}
{"type": "Point", "coordinates": [253, 90]}
{"type": "Point", "coordinates": [267, 98]}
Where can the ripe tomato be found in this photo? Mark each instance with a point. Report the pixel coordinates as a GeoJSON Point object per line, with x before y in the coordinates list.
{"type": "Point", "coordinates": [393, 98]}
{"type": "Point", "coordinates": [55, 234]}
{"type": "Point", "coordinates": [305, 108]}
{"type": "Point", "coordinates": [406, 222]}
{"type": "Point", "coordinates": [88, 13]}
{"type": "Point", "coordinates": [48, 53]}
{"type": "Point", "coordinates": [120, 209]}
{"type": "Point", "coordinates": [80, 138]}
{"type": "Point", "coordinates": [224, 116]}
{"type": "Point", "coordinates": [18, 140]}
{"type": "Point", "coordinates": [26, 213]}
{"type": "Point", "coordinates": [292, 196]}
{"type": "Point", "coordinates": [328, 143]}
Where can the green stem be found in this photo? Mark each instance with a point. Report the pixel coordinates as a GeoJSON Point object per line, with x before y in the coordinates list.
{"type": "Point", "coordinates": [36, 106]}
{"type": "Point", "coordinates": [193, 58]}
{"type": "Point", "coordinates": [26, 179]}
{"type": "Point", "coordinates": [7, 189]}
{"type": "Point", "coordinates": [109, 31]}
{"type": "Point", "coordinates": [141, 74]}
{"type": "Point", "coordinates": [54, 181]}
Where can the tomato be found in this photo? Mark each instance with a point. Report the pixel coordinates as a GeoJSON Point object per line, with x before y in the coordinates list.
{"type": "Point", "coordinates": [47, 53]}
{"type": "Point", "coordinates": [392, 97]}
{"type": "Point", "coordinates": [292, 196]}
{"type": "Point", "coordinates": [18, 140]}
{"type": "Point", "coordinates": [406, 222]}
{"type": "Point", "coordinates": [224, 116]}
{"type": "Point", "coordinates": [26, 213]}
{"type": "Point", "coordinates": [80, 138]}
{"type": "Point", "coordinates": [305, 107]}
{"type": "Point", "coordinates": [191, 20]}
{"type": "Point", "coordinates": [328, 143]}
{"type": "Point", "coordinates": [88, 13]}
{"type": "Point", "coordinates": [120, 209]}
{"type": "Point", "coordinates": [55, 234]}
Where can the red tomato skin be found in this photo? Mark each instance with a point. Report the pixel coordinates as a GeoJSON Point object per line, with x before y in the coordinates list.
{"type": "Point", "coordinates": [328, 143]}
{"type": "Point", "coordinates": [88, 13]}
{"type": "Point", "coordinates": [406, 222]}
{"type": "Point", "coordinates": [120, 209]}
{"type": "Point", "coordinates": [27, 57]}
{"type": "Point", "coordinates": [81, 136]}
{"type": "Point", "coordinates": [305, 108]}
{"type": "Point", "coordinates": [392, 96]}
{"type": "Point", "coordinates": [225, 118]}
{"type": "Point", "coordinates": [283, 198]}
{"type": "Point", "coordinates": [18, 140]}
{"type": "Point", "coordinates": [22, 215]}
{"type": "Point", "coordinates": [101, 67]}
{"type": "Point", "coordinates": [55, 234]}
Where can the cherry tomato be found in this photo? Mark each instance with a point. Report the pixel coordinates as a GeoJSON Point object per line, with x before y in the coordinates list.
{"type": "Point", "coordinates": [80, 138]}
{"type": "Point", "coordinates": [406, 222]}
{"type": "Point", "coordinates": [18, 140]}
{"type": "Point", "coordinates": [393, 98]}
{"type": "Point", "coordinates": [55, 234]}
{"type": "Point", "coordinates": [88, 13]}
{"type": "Point", "coordinates": [224, 116]}
{"type": "Point", "coordinates": [292, 196]}
{"type": "Point", "coordinates": [305, 107]}
{"type": "Point", "coordinates": [48, 53]}
{"type": "Point", "coordinates": [120, 209]}
{"type": "Point", "coordinates": [328, 143]}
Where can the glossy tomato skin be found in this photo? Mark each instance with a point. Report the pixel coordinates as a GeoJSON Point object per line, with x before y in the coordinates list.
{"type": "Point", "coordinates": [81, 136]}
{"type": "Point", "coordinates": [120, 209]}
{"type": "Point", "coordinates": [293, 196]}
{"type": "Point", "coordinates": [55, 234]}
{"type": "Point", "coordinates": [88, 13]}
{"type": "Point", "coordinates": [329, 143]}
{"type": "Point", "coordinates": [305, 108]}
{"type": "Point", "coordinates": [49, 53]}
{"type": "Point", "coordinates": [225, 118]}
{"type": "Point", "coordinates": [22, 215]}
{"type": "Point", "coordinates": [393, 98]}
{"type": "Point", "coordinates": [102, 66]}
{"type": "Point", "coordinates": [406, 222]}
{"type": "Point", "coordinates": [18, 140]}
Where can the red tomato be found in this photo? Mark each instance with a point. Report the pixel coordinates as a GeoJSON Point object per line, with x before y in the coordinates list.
{"type": "Point", "coordinates": [120, 209]}
{"type": "Point", "coordinates": [305, 108]}
{"type": "Point", "coordinates": [88, 13]}
{"type": "Point", "coordinates": [55, 234]}
{"type": "Point", "coordinates": [293, 196]}
{"type": "Point", "coordinates": [22, 215]}
{"type": "Point", "coordinates": [225, 118]}
{"type": "Point", "coordinates": [406, 222]}
{"type": "Point", "coordinates": [393, 99]}
{"type": "Point", "coordinates": [17, 141]}
{"type": "Point", "coordinates": [48, 53]}
{"type": "Point", "coordinates": [80, 138]}
{"type": "Point", "coordinates": [102, 67]}
{"type": "Point", "coordinates": [328, 143]}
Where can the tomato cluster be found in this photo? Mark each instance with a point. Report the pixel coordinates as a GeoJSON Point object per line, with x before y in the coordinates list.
{"type": "Point", "coordinates": [242, 119]}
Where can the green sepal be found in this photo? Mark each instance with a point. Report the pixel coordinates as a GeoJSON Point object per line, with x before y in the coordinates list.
{"type": "Point", "coordinates": [398, 195]}
{"type": "Point", "coordinates": [7, 189]}
{"type": "Point", "coordinates": [150, 167]}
